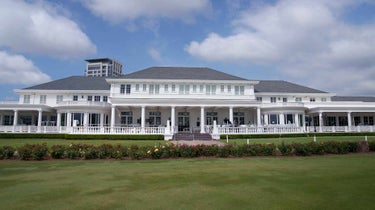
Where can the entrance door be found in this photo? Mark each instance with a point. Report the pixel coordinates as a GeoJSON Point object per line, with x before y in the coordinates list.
{"type": "Point", "coordinates": [183, 122]}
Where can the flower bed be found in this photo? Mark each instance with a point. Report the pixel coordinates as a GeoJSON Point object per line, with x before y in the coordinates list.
{"type": "Point", "coordinates": [134, 152]}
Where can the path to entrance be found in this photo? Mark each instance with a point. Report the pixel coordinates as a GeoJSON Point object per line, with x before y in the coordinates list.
{"type": "Point", "coordinates": [197, 142]}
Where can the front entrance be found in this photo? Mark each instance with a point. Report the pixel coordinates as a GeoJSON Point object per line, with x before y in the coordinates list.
{"type": "Point", "coordinates": [183, 121]}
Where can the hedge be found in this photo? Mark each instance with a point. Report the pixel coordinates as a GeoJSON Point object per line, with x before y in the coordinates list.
{"type": "Point", "coordinates": [78, 136]}
{"type": "Point", "coordinates": [292, 135]}
{"type": "Point", "coordinates": [135, 152]}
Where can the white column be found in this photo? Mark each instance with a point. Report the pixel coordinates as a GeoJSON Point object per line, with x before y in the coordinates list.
{"type": "Point", "coordinates": [231, 115]}
{"type": "Point", "coordinates": [39, 120]}
{"type": "Point", "coordinates": [113, 116]}
{"type": "Point", "coordinates": [143, 116]}
{"type": "Point", "coordinates": [349, 119]}
{"type": "Point", "coordinates": [85, 119]}
{"type": "Point", "coordinates": [265, 119]}
{"type": "Point", "coordinates": [69, 119]}
{"type": "Point", "coordinates": [296, 119]}
{"type": "Point", "coordinates": [173, 118]}
{"type": "Point", "coordinates": [101, 119]}
{"type": "Point", "coordinates": [281, 119]}
{"type": "Point", "coordinates": [259, 122]}
{"type": "Point", "coordinates": [202, 119]}
{"type": "Point", "coordinates": [320, 121]}
{"type": "Point", "coordinates": [303, 121]}
{"type": "Point", "coordinates": [58, 120]}
{"type": "Point", "coordinates": [15, 117]}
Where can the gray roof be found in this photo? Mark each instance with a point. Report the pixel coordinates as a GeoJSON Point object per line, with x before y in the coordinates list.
{"type": "Point", "coordinates": [74, 83]}
{"type": "Point", "coordinates": [354, 98]}
{"type": "Point", "coordinates": [181, 73]}
{"type": "Point", "coordinates": [280, 86]}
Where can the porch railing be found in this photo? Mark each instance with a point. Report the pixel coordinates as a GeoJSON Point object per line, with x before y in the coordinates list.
{"type": "Point", "coordinates": [362, 128]}
{"type": "Point", "coordinates": [117, 130]}
{"type": "Point", "coordinates": [260, 130]}
{"type": "Point", "coordinates": [164, 130]}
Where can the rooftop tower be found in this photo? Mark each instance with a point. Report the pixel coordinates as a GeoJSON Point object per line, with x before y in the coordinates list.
{"type": "Point", "coordinates": [103, 67]}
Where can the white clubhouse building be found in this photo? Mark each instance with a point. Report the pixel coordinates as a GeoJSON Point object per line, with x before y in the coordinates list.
{"type": "Point", "coordinates": [169, 100]}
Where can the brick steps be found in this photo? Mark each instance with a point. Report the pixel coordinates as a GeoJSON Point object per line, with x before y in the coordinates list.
{"type": "Point", "coordinates": [192, 136]}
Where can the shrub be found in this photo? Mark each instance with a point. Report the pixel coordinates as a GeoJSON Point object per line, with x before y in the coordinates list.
{"type": "Point", "coordinates": [301, 149]}
{"type": "Point", "coordinates": [58, 151]}
{"type": "Point", "coordinates": [25, 152]}
{"type": "Point", "coordinates": [285, 149]}
{"type": "Point", "coordinates": [39, 151]}
{"type": "Point", "coordinates": [372, 146]}
{"type": "Point", "coordinates": [7, 152]}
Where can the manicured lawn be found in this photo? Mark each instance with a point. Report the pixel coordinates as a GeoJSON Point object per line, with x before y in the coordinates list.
{"type": "Point", "coordinates": [299, 139]}
{"type": "Point", "coordinates": [322, 182]}
{"type": "Point", "coordinates": [50, 142]}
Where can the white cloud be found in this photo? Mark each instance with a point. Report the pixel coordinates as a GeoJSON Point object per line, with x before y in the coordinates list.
{"type": "Point", "coordinates": [155, 54]}
{"type": "Point", "coordinates": [304, 40]}
{"type": "Point", "coordinates": [117, 11]}
{"type": "Point", "coordinates": [16, 69]}
{"type": "Point", "coordinates": [38, 27]}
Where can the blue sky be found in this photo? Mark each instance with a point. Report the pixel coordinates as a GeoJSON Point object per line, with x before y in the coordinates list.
{"type": "Point", "coordinates": [324, 44]}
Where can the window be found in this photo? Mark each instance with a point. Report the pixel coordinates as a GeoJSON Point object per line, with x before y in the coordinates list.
{"type": "Point", "coordinates": [238, 118]}
{"type": "Point", "coordinates": [59, 98]}
{"type": "Point", "coordinates": [126, 118]}
{"type": "Point", "coordinates": [274, 119]}
{"type": "Point", "coordinates": [222, 88]}
{"type": "Point", "coordinates": [288, 119]}
{"type": "Point", "coordinates": [194, 88]}
{"type": "Point", "coordinates": [157, 89]}
{"type": "Point", "coordinates": [187, 89]}
{"type": "Point", "coordinates": [125, 89]}
{"type": "Point", "coordinates": [229, 88]}
{"type": "Point", "coordinates": [165, 88]}
{"type": "Point", "coordinates": [137, 87]}
{"type": "Point", "coordinates": [105, 98]}
{"type": "Point", "coordinates": [343, 120]}
{"type": "Point", "coordinates": [368, 120]}
{"type": "Point", "coordinates": [144, 88]}
{"type": "Point", "coordinates": [154, 119]}
{"type": "Point", "coordinates": [89, 98]}
{"type": "Point", "coordinates": [210, 89]}
{"type": "Point", "coordinates": [122, 89]}
{"type": "Point", "coordinates": [97, 98]}
{"type": "Point", "coordinates": [184, 89]}
{"type": "Point", "coordinates": [239, 90]}
{"type": "Point", "coordinates": [285, 100]}
{"type": "Point", "coordinates": [259, 99]}
{"type": "Point", "coordinates": [312, 99]}
{"type": "Point", "coordinates": [201, 87]}
{"type": "Point", "coordinates": [173, 88]}
{"type": "Point", "coordinates": [273, 99]}
{"type": "Point", "coordinates": [151, 89]}
{"type": "Point", "coordinates": [128, 88]}
{"type": "Point", "coordinates": [43, 99]}
{"type": "Point", "coordinates": [26, 99]}
{"type": "Point", "coordinates": [75, 98]}
{"type": "Point", "coordinates": [324, 99]}
{"type": "Point", "coordinates": [298, 99]}
{"type": "Point", "coordinates": [210, 117]}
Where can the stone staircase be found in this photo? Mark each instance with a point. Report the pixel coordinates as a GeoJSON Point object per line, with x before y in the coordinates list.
{"type": "Point", "coordinates": [192, 136]}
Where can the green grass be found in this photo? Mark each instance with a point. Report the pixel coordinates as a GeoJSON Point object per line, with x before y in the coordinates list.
{"type": "Point", "coordinates": [299, 139]}
{"type": "Point", "coordinates": [322, 182]}
{"type": "Point", "coordinates": [50, 142]}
